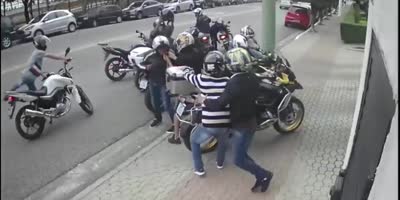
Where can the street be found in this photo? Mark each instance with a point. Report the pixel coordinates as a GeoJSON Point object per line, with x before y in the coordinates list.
{"type": "Point", "coordinates": [118, 106]}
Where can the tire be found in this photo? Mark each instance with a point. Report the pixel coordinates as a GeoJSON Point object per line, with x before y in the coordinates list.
{"type": "Point", "coordinates": [209, 147]}
{"type": "Point", "coordinates": [6, 42]}
{"type": "Point", "coordinates": [138, 77]}
{"type": "Point", "coordinates": [139, 15]}
{"type": "Point", "coordinates": [298, 121]}
{"type": "Point", "coordinates": [38, 32]}
{"type": "Point", "coordinates": [110, 73]}
{"type": "Point", "coordinates": [119, 19]}
{"type": "Point", "coordinates": [94, 23]}
{"type": "Point", "coordinates": [178, 9]}
{"type": "Point", "coordinates": [71, 27]}
{"type": "Point", "coordinates": [40, 121]}
{"type": "Point", "coordinates": [86, 104]}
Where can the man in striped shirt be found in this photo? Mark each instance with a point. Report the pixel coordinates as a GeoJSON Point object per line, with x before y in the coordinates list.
{"type": "Point", "coordinates": [215, 123]}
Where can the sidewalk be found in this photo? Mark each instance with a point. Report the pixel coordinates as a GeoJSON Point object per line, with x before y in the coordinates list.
{"type": "Point", "coordinates": [304, 164]}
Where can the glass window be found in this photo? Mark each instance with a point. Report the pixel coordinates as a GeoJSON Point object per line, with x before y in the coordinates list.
{"type": "Point", "coordinates": [136, 4]}
{"type": "Point", "coordinates": [50, 16]}
{"type": "Point", "coordinates": [37, 18]}
{"type": "Point", "coordinates": [61, 14]}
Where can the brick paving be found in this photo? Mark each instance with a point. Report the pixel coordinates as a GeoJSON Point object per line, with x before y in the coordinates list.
{"type": "Point", "coordinates": [304, 163]}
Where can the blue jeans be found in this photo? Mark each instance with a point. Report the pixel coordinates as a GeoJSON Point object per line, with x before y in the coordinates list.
{"type": "Point", "coordinates": [201, 134]}
{"type": "Point", "coordinates": [241, 142]}
{"type": "Point", "coordinates": [159, 95]}
{"type": "Point", "coordinates": [28, 80]}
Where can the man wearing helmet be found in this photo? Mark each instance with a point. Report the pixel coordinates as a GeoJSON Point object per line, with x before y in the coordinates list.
{"type": "Point", "coordinates": [240, 41]}
{"type": "Point", "coordinates": [160, 28]}
{"type": "Point", "coordinates": [215, 28]}
{"type": "Point", "coordinates": [35, 63]}
{"type": "Point", "coordinates": [202, 21]}
{"type": "Point", "coordinates": [240, 94]}
{"type": "Point", "coordinates": [248, 32]}
{"type": "Point", "coordinates": [156, 65]}
{"type": "Point", "coordinates": [211, 83]}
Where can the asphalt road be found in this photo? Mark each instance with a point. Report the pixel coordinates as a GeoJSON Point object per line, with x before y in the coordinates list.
{"type": "Point", "coordinates": [29, 165]}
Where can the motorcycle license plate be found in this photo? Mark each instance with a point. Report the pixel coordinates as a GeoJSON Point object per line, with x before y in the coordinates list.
{"type": "Point", "coordinates": [143, 84]}
{"type": "Point", "coordinates": [180, 109]}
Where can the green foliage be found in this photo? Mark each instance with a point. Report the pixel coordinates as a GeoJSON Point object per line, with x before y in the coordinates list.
{"type": "Point", "coordinates": [352, 31]}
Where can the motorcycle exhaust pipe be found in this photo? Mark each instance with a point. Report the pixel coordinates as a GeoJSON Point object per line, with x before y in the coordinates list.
{"type": "Point", "coordinates": [268, 122]}
{"type": "Point", "coordinates": [125, 70]}
{"type": "Point", "coordinates": [35, 113]}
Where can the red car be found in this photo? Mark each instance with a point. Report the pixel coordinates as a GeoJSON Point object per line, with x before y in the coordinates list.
{"type": "Point", "coordinates": [299, 14]}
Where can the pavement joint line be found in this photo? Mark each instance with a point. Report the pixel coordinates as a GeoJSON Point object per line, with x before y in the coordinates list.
{"type": "Point", "coordinates": [18, 67]}
{"type": "Point", "coordinates": [122, 166]}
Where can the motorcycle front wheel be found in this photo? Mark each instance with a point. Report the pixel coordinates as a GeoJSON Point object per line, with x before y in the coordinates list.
{"type": "Point", "coordinates": [85, 104]}
{"type": "Point", "coordinates": [290, 122]}
{"type": "Point", "coordinates": [29, 127]}
{"type": "Point", "coordinates": [112, 69]}
{"type": "Point", "coordinates": [206, 147]}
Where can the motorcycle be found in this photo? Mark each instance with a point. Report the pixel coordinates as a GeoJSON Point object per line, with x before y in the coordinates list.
{"type": "Point", "coordinates": [276, 104]}
{"type": "Point", "coordinates": [224, 36]}
{"type": "Point", "coordinates": [53, 100]}
{"type": "Point", "coordinates": [125, 61]}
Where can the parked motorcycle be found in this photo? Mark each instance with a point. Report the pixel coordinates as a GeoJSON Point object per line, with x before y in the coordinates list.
{"type": "Point", "coordinates": [125, 61]}
{"type": "Point", "coordinates": [53, 100]}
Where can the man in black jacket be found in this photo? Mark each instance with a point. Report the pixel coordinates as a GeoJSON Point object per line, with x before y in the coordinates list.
{"type": "Point", "coordinates": [240, 94]}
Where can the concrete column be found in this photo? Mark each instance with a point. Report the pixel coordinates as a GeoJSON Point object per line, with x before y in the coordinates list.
{"type": "Point", "coordinates": [339, 8]}
{"type": "Point", "coordinates": [268, 20]}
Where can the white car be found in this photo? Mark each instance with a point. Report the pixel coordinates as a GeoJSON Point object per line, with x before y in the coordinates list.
{"type": "Point", "coordinates": [285, 4]}
{"type": "Point", "coordinates": [177, 6]}
{"type": "Point", "coordinates": [48, 23]}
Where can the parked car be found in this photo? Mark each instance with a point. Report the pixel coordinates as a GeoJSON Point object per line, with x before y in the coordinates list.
{"type": "Point", "coordinates": [48, 23]}
{"type": "Point", "coordinates": [8, 34]}
{"type": "Point", "coordinates": [222, 2]}
{"type": "Point", "coordinates": [140, 9]}
{"type": "Point", "coordinates": [299, 14]}
{"type": "Point", "coordinates": [285, 4]}
{"type": "Point", "coordinates": [179, 5]}
{"type": "Point", "coordinates": [204, 4]}
{"type": "Point", "coordinates": [100, 15]}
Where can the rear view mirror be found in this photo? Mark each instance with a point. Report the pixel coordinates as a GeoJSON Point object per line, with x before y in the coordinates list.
{"type": "Point", "coordinates": [67, 51]}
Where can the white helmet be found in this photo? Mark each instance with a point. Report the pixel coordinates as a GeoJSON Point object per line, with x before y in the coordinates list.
{"type": "Point", "coordinates": [247, 31]}
{"type": "Point", "coordinates": [160, 42]}
{"type": "Point", "coordinates": [240, 41]}
{"type": "Point", "coordinates": [198, 11]}
{"type": "Point", "coordinates": [183, 40]}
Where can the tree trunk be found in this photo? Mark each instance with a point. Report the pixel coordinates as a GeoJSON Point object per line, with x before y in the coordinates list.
{"type": "Point", "coordinates": [30, 8]}
{"type": "Point", "coordinates": [26, 12]}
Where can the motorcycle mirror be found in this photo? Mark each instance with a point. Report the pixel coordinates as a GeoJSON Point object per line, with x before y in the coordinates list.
{"type": "Point", "coordinates": [67, 51]}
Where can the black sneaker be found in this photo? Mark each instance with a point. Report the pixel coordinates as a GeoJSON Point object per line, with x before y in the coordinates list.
{"type": "Point", "coordinates": [263, 183]}
{"type": "Point", "coordinates": [171, 130]}
{"type": "Point", "coordinates": [174, 140]}
{"type": "Point", "coordinates": [155, 122]}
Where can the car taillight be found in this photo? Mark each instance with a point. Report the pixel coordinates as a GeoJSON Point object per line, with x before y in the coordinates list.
{"type": "Point", "coordinates": [222, 37]}
{"type": "Point", "coordinates": [204, 39]}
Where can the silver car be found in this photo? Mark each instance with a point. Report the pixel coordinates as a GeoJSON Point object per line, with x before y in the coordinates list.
{"type": "Point", "coordinates": [48, 23]}
{"type": "Point", "coordinates": [177, 6]}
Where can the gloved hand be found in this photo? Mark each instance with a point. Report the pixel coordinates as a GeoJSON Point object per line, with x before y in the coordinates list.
{"type": "Point", "coordinates": [188, 70]}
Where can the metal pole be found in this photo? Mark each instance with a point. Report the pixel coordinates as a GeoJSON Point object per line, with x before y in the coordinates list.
{"type": "Point", "coordinates": [339, 7]}
{"type": "Point", "coordinates": [47, 5]}
{"type": "Point", "coordinates": [4, 8]}
{"type": "Point", "coordinates": [69, 5]}
{"type": "Point", "coordinates": [38, 7]}
{"type": "Point", "coordinates": [268, 20]}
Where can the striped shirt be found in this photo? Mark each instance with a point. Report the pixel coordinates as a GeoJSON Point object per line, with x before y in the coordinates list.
{"type": "Point", "coordinates": [213, 88]}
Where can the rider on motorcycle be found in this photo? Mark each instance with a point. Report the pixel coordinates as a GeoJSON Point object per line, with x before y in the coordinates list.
{"type": "Point", "coordinates": [243, 42]}
{"type": "Point", "coordinates": [35, 63]}
{"type": "Point", "coordinates": [211, 83]}
{"type": "Point", "coordinates": [202, 21]}
{"type": "Point", "coordinates": [215, 28]}
{"type": "Point", "coordinates": [160, 28]}
{"type": "Point", "coordinates": [248, 32]}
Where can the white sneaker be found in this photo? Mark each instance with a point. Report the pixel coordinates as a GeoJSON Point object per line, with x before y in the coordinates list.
{"type": "Point", "coordinates": [200, 173]}
{"type": "Point", "coordinates": [220, 167]}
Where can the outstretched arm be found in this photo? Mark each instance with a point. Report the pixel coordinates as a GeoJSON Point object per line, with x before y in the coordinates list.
{"type": "Point", "coordinates": [55, 57]}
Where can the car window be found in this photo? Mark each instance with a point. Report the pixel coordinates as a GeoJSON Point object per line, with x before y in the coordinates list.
{"type": "Point", "coordinates": [152, 2]}
{"type": "Point", "coordinates": [115, 8]}
{"type": "Point", "coordinates": [50, 16]}
{"type": "Point", "coordinates": [37, 18]}
{"type": "Point", "coordinates": [136, 4]}
{"type": "Point", "coordinates": [301, 11]}
{"type": "Point", "coordinates": [61, 14]}
{"type": "Point", "coordinates": [173, 1]}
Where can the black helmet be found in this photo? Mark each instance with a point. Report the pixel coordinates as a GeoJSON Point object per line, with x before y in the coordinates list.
{"type": "Point", "coordinates": [215, 64]}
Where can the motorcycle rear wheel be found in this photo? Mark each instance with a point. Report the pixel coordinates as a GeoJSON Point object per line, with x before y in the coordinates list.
{"type": "Point", "coordinates": [29, 122]}
{"type": "Point", "coordinates": [111, 67]}
{"type": "Point", "coordinates": [208, 146]}
{"type": "Point", "coordinates": [284, 127]}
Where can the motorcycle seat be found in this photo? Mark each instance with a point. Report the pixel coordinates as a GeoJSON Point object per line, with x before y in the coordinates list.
{"type": "Point", "coordinates": [37, 93]}
{"type": "Point", "coordinates": [122, 51]}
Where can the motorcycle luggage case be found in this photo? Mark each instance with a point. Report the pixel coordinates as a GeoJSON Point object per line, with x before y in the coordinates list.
{"type": "Point", "coordinates": [176, 84]}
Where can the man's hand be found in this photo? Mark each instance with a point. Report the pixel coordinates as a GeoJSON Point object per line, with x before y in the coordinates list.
{"type": "Point", "coordinates": [188, 70]}
{"type": "Point", "coordinates": [200, 99]}
{"type": "Point", "coordinates": [67, 60]}
{"type": "Point", "coordinates": [172, 55]}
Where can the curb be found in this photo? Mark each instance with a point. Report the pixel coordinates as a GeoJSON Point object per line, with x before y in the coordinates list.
{"type": "Point", "coordinates": [121, 167]}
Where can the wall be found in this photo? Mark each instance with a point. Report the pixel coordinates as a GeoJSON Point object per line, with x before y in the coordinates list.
{"type": "Point", "coordinates": [386, 180]}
